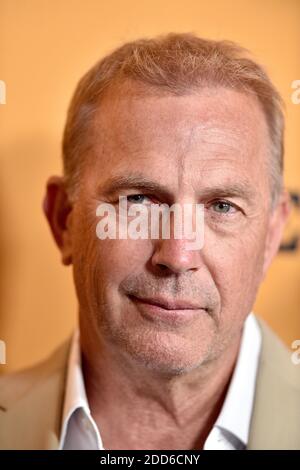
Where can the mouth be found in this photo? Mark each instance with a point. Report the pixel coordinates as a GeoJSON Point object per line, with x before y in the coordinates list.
{"type": "Point", "coordinates": [170, 311]}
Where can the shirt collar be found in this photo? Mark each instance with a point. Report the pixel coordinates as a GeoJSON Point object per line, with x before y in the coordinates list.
{"type": "Point", "coordinates": [236, 412]}
{"type": "Point", "coordinates": [75, 394]}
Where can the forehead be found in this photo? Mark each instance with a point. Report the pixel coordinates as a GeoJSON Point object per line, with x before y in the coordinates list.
{"type": "Point", "coordinates": [211, 129]}
{"type": "Point", "coordinates": [133, 116]}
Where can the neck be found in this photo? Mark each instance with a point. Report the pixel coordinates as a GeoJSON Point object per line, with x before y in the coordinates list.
{"type": "Point", "coordinates": [161, 412]}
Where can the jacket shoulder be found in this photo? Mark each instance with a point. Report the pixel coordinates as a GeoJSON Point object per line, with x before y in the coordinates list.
{"type": "Point", "coordinates": [276, 410]}
{"type": "Point", "coordinates": [15, 385]}
{"type": "Point", "coordinates": [277, 358]}
{"type": "Point", "coordinates": [31, 402]}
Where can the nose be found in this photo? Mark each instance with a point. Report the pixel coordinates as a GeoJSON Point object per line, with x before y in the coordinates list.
{"type": "Point", "coordinates": [173, 255]}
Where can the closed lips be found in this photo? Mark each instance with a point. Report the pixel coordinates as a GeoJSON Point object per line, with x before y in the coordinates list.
{"type": "Point", "coordinates": [168, 304]}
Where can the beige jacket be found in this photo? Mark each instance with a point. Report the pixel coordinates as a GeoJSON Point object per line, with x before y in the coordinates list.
{"type": "Point", "coordinates": [31, 401]}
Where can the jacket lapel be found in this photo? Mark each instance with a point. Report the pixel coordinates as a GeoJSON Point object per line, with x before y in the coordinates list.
{"type": "Point", "coordinates": [276, 413]}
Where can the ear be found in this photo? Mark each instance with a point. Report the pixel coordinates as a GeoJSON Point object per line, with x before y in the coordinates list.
{"type": "Point", "coordinates": [58, 210]}
{"type": "Point", "coordinates": [276, 226]}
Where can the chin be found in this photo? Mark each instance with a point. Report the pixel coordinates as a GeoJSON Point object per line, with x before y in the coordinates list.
{"type": "Point", "coordinates": [166, 353]}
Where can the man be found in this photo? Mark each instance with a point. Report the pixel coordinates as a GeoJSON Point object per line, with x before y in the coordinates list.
{"type": "Point", "coordinates": [169, 354]}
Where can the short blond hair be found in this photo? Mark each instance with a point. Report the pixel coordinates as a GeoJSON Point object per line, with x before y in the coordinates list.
{"type": "Point", "coordinates": [177, 64]}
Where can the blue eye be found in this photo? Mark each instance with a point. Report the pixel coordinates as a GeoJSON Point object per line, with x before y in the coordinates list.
{"type": "Point", "coordinates": [223, 207]}
{"type": "Point", "coordinates": [136, 198]}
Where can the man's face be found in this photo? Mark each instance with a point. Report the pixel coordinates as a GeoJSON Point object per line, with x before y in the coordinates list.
{"type": "Point", "coordinates": [209, 148]}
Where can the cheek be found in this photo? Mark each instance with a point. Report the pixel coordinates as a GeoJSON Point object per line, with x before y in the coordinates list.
{"type": "Point", "coordinates": [235, 264]}
{"type": "Point", "coordinates": [120, 258]}
{"type": "Point", "coordinates": [109, 262]}
{"type": "Point", "coordinates": [112, 257]}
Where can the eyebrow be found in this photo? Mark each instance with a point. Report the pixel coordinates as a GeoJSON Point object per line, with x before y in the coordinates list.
{"type": "Point", "coordinates": [117, 183]}
{"type": "Point", "coordinates": [121, 182]}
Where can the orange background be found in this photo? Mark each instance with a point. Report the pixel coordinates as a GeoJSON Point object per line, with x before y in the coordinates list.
{"type": "Point", "coordinates": [45, 46]}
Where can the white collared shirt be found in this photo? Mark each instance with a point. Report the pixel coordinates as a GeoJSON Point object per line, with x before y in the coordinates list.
{"type": "Point", "coordinates": [230, 431]}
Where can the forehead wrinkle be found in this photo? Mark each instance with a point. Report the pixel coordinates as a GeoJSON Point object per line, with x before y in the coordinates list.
{"type": "Point", "coordinates": [219, 139]}
{"type": "Point", "coordinates": [215, 135]}
{"type": "Point", "coordinates": [182, 158]}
